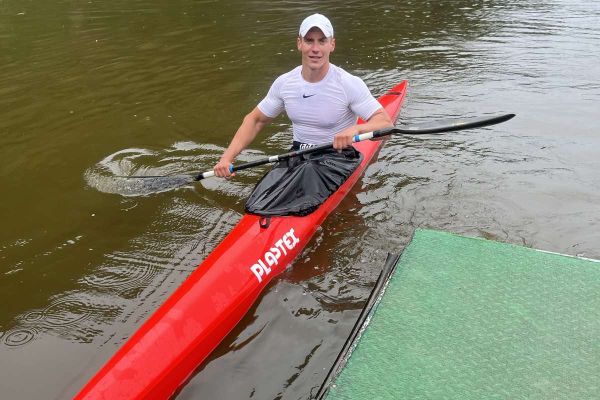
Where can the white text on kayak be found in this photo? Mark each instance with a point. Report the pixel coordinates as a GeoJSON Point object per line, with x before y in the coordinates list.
{"type": "Point", "coordinates": [262, 268]}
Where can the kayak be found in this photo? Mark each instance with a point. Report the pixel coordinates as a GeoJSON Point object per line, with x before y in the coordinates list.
{"type": "Point", "coordinates": [165, 351]}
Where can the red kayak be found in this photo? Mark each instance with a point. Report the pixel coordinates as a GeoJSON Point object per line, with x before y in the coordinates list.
{"type": "Point", "coordinates": [174, 341]}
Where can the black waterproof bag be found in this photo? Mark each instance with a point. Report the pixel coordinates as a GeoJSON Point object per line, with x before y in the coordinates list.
{"type": "Point", "coordinates": [298, 186]}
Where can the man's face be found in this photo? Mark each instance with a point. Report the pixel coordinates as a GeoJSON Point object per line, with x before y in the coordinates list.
{"type": "Point", "coordinates": [315, 49]}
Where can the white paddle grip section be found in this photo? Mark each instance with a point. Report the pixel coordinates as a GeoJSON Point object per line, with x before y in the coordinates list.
{"type": "Point", "coordinates": [208, 174]}
{"type": "Point", "coordinates": [363, 136]}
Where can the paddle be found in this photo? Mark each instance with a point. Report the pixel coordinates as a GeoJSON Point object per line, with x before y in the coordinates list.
{"type": "Point", "coordinates": [174, 181]}
{"type": "Point", "coordinates": [416, 129]}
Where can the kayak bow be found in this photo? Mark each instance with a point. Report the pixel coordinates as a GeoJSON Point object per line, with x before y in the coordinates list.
{"type": "Point", "coordinates": [174, 341]}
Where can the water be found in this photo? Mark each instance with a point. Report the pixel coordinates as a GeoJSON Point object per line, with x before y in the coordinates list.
{"type": "Point", "coordinates": [91, 90]}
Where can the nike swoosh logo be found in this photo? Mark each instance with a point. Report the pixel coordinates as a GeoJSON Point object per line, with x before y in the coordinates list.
{"type": "Point", "coordinates": [307, 96]}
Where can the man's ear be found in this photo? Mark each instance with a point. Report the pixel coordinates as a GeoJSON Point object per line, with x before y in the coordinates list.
{"type": "Point", "coordinates": [298, 42]}
{"type": "Point", "coordinates": [332, 44]}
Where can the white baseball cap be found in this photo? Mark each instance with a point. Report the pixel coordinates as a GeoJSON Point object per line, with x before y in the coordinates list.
{"type": "Point", "coordinates": [319, 21]}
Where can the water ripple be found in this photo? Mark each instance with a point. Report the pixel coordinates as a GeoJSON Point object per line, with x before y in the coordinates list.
{"type": "Point", "coordinates": [18, 337]}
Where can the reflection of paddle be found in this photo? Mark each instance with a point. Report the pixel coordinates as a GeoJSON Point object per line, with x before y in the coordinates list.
{"type": "Point", "coordinates": [162, 183]}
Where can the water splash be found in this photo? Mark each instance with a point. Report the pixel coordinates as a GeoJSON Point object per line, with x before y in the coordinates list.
{"type": "Point", "coordinates": [140, 172]}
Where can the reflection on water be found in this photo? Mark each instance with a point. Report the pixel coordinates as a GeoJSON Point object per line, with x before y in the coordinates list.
{"type": "Point", "coordinates": [90, 91]}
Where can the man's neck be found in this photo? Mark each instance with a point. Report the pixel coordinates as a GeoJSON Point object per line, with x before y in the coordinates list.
{"type": "Point", "coordinates": [314, 75]}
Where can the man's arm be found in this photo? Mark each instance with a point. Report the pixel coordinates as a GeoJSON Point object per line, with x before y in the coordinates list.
{"type": "Point", "coordinates": [379, 120]}
{"type": "Point", "coordinates": [251, 125]}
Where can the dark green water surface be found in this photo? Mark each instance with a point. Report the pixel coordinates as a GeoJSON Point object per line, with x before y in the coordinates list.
{"type": "Point", "coordinates": [90, 90]}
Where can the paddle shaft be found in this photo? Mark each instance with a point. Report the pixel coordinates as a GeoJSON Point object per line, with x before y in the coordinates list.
{"type": "Point", "coordinates": [410, 130]}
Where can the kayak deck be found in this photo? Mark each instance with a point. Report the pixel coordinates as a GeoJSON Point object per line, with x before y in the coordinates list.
{"type": "Point", "coordinates": [174, 341]}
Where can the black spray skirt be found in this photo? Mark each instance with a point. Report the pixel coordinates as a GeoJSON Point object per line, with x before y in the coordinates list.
{"type": "Point", "coordinates": [298, 186]}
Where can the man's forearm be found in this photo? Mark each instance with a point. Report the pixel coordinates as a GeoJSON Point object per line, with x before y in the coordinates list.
{"type": "Point", "coordinates": [379, 120]}
{"type": "Point", "coordinates": [245, 134]}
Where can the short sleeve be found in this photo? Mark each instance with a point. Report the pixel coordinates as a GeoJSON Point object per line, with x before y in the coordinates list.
{"type": "Point", "coordinates": [272, 105]}
{"type": "Point", "coordinates": [361, 101]}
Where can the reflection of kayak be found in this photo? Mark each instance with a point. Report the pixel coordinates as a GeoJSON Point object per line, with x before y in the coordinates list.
{"type": "Point", "coordinates": [172, 343]}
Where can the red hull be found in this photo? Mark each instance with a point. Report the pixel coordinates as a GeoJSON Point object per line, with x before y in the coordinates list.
{"type": "Point", "coordinates": [172, 343]}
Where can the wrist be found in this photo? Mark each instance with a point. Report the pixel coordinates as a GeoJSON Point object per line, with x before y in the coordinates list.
{"type": "Point", "coordinates": [226, 159]}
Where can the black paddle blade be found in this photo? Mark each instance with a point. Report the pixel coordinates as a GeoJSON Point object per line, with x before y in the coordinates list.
{"type": "Point", "coordinates": [130, 186]}
{"type": "Point", "coordinates": [451, 125]}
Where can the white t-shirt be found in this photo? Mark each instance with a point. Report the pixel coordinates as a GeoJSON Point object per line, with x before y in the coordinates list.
{"type": "Point", "coordinates": [319, 110]}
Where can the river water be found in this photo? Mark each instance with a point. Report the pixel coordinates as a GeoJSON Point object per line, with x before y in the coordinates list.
{"type": "Point", "coordinates": [89, 90]}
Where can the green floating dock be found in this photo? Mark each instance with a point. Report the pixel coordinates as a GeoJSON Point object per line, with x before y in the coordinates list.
{"type": "Point", "coordinates": [465, 318]}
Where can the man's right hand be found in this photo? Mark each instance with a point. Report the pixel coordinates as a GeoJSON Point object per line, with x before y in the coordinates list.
{"type": "Point", "coordinates": [222, 168]}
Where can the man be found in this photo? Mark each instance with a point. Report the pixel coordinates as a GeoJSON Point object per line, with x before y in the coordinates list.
{"type": "Point", "coordinates": [322, 100]}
